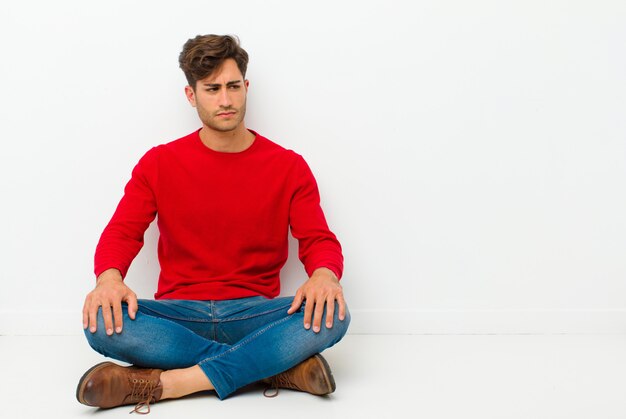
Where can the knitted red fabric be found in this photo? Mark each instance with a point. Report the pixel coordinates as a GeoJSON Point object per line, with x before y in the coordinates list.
{"type": "Point", "coordinates": [223, 218]}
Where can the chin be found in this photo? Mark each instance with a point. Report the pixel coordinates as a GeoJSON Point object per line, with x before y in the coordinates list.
{"type": "Point", "coordinates": [222, 128]}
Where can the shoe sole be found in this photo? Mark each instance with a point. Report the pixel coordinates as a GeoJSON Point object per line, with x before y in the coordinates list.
{"type": "Point", "coordinates": [80, 389]}
{"type": "Point", "coordinates": [329, 380]}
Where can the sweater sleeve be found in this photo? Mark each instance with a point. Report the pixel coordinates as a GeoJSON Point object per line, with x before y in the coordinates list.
{"type": "Point", "coordinates": [122, 238]}
{"type": "Point", "coordinates": [318, 246]}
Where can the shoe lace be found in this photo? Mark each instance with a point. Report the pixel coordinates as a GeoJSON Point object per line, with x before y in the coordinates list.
{"type": "Point", "coordinates": [142, 393]}
{"type": "Point", "coordinates": [279, 381]}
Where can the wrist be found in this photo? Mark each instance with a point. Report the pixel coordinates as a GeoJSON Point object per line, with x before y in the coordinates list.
{"type": "Point", "coordinates": [110, 274]}
{"type": "Point", "coordinates": [326, 272]}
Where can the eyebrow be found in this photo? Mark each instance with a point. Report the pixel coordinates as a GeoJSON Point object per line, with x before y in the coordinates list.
{"type": "Point", "coordinates": [230, 83]}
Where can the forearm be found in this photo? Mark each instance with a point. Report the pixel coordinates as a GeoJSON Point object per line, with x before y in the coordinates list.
{"type": "Point", "coordinates": [119, 243]}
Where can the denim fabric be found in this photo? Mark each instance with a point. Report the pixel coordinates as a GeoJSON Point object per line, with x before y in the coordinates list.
{"type": "Point", "coordinates": [235, 342]}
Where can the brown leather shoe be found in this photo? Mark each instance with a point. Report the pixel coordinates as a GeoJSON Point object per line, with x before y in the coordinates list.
{"type": "Point", "coordinates": [312, 375]}
{"type": "Point", "coordinates": [110, 385]}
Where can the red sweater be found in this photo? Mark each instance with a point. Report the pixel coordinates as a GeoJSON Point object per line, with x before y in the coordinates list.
{"type": "Point", "coordinates": [223, 219]}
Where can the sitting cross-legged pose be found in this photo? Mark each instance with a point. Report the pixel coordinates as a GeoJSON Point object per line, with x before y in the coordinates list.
{"type": "Point", "coordinates": [226, 198]}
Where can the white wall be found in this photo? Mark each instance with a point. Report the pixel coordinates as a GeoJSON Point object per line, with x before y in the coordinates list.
{"type": "Point", "coordinates": [471, 155]}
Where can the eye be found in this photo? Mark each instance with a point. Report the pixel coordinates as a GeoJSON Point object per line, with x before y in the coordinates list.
{"type": "Point", "coordinates": [235, 86]}
{"type": "Point", "coordinates": [211, 89]}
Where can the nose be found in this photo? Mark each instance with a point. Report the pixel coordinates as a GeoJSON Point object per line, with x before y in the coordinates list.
{"type": "Point", "coordinates": [225, 100]}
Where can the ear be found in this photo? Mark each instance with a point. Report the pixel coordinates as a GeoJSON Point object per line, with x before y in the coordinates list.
{"type": "Point", "coordinates": [191, 95]}
{"type": "Point", "coordinates": [247, 84]}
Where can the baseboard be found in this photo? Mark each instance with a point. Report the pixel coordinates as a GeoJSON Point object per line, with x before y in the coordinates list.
{"type": "Point", "coordinates": [448, 322]}
{"type": "Point", "coordinates": [487, 322]}
{"type": "Point", "coordinates": [50, 323]}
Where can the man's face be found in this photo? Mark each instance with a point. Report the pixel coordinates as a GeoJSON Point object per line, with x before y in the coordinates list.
{"type": "Point", "coordinates": [220, 98]}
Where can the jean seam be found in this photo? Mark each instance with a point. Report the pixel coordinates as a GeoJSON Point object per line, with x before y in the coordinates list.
{"type": "Point", "coordinates": [188, 319]}
{"type": "Point", "coordinates": [232, 319]}
{"type": "Point", "coordinates": [246, 341]}
{"type": "Point", "coordinates": [215, 322]}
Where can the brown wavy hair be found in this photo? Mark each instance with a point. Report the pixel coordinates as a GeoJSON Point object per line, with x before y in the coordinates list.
{"type": "Point", "coordinates": [204, 54]}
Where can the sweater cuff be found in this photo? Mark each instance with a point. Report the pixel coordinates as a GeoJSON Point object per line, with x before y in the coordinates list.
{"type": "Point", "coordinates": [100, 269]}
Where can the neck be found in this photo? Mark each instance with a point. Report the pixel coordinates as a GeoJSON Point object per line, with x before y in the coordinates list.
{"type": "Point", "coordinates": [233, 141]}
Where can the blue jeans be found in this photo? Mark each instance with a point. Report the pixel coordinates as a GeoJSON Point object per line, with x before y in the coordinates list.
{"type": "Point", "coordinates": [235, 342]}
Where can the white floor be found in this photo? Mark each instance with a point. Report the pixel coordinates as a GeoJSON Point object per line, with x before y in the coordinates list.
{"type": "Point", "coordinates": [424, 376]}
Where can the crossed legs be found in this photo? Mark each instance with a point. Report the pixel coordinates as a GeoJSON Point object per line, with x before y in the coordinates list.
{"type": "Point", "coordinates": [222, 345]}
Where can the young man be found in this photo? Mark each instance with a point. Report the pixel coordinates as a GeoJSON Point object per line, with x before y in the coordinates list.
{"type": "Point", "coordinates": [226, 198]}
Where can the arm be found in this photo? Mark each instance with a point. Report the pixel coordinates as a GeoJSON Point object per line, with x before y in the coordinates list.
{"type": "Point", "coordinates": [319, 251]}
{"type": "Point", "coordinates": [120, 242]}
{"type": "Point", "coordinates": [122, 238]}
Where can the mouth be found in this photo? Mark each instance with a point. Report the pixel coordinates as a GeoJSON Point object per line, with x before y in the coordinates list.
{"type": "Point", "coordinates": [226, 114]}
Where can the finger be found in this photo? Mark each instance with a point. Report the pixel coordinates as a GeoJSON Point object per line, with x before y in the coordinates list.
{"type": "Point", "coordinates": [330, 311]}
{"type": "Point", "coordinates": [117, 316]}
{"type": "Point", "coordinates": [308, 313]}
{"type": "Point", "coordinates": [342, 307]}
{"type": "Point", "coordinates": [86, 314]}
{"type": "Point", "coordinates": [132, 305]}
{"type": "Point", "coordinates": [317, 318]}
{"type": "Point", "coordinates": [93, 316]}
{"type": "Point", "coordinates": [108, 320]}
{"type": "Point", "coordinates": [296, 303]}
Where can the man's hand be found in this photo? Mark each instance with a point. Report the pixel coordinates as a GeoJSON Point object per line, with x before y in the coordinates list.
{"type": "Point", "coordinates": [321, 289]}
{"type": "Point", "coordinates": [109, 293]}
